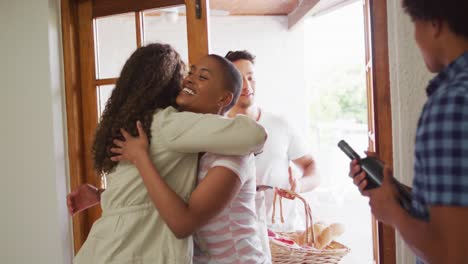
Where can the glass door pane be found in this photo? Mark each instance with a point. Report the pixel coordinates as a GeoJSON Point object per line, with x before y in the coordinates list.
{"type": "Point", "coordinates": [167, 25]}
{"type": "Point", "coordinates": [103, 94]}
{"type": "Point", "coordinates": [115, 41]}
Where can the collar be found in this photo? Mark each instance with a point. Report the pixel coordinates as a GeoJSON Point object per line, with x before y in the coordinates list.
{"type": "Point", "coordinates": [453, 69]}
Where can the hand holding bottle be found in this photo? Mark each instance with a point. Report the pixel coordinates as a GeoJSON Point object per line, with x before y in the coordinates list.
{"type": "Point", "coordinates": [368, 172]}
{"type": "Point", "coordinates": [384, 201]}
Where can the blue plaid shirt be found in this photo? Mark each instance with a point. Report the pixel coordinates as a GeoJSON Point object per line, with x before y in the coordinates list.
{"type": "Point", "coordinates": [441, 154]}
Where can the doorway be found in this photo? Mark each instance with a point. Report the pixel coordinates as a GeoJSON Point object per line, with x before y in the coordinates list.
{"type": "Point", "coordinates": [335, 61]}
{"type": "Point", "coordinates": [87, 88]}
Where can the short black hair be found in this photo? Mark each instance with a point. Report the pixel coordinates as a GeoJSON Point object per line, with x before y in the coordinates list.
{"type": "Point", "coordinates": [234, 56]}
{"type": "Point", "coordinates": [454, 12]}
{"type": "Point", "coordinates": [232, 79]}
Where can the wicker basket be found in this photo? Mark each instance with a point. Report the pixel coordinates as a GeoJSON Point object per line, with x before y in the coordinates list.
{"type": "Point", "coordinates": [284, 254]}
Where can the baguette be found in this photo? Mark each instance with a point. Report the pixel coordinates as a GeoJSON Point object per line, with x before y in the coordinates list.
{"type": "Point", "coordinates": [331, 232]}
{"type": "Point", "coordinates": [318, 228]}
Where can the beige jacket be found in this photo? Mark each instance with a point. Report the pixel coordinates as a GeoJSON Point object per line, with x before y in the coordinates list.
{"type": "Point", "coordinates": [130, 230]}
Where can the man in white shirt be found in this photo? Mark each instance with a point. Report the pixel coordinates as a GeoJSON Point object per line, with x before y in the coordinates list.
{"type": "Point", "coordinates": [284, 145]}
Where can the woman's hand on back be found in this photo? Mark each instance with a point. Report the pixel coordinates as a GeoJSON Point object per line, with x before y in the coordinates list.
{"type": "Point", "coordinates": [132, 148]}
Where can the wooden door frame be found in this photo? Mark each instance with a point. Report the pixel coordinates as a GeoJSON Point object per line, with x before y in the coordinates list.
{"type": "Point", "coordinates": [79, 111]}
{"type": "Point", "coordinates": [381, 116]}
{"type": "Point", "coordinates": [73, 101]}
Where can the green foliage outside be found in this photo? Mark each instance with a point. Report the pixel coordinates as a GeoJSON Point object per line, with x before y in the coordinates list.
{"type": "Point", "coordinates": [339, 94]}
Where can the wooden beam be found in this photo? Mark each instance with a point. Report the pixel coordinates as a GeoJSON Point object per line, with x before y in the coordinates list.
{"type": "Point", "coordinates": [140, 30]}
{"type": "Point", "coordinates": [255, 7]}
{"type": "Point", "coordinates": [108, 81]}
{"type": "Point", "coordinates": [112, 7]}
{"type": "Point", "coordinates": [301, 11]}
{"type": "Point", "coordinates": [198, 30]}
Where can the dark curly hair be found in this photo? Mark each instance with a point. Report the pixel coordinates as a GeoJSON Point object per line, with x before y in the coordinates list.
{"type": "Point", "coordinates": [454, 12]}
{"type": "Point", "coordinates": [150, 80]}
{"type": "Point", "coordinates": [234, 56]}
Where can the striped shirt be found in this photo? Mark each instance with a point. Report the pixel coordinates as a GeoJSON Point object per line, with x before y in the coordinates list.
{"type": "Point", "coordinates": [232, 236]}
{"type": "Point", "coordinates": [441, 153]}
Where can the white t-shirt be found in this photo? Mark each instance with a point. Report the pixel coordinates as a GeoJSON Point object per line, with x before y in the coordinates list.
{"type": "Point", "coordinates": [282, 145]}
{"type": "Point", "coordinates": [232, 236]}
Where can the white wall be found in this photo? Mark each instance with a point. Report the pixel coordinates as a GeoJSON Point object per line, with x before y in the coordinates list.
{"type": "Point", "coordinates": [34, 226]}
{"type": "Point", "coordinates": [408, 79]}
{"type": "Point", "coordinates": [280, 56]}
{"type": "Point", "coordinates": [280, 62]}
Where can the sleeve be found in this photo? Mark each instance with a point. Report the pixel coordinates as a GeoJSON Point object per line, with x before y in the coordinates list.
{"type": "Point", "coordinates": [237, 164]}
{"type": "Point", "coordinates": [192, 133]}
{"type": "Point", "coordinates": [297, 147]}
{"type": "Point", "coordinates": [446, 155]}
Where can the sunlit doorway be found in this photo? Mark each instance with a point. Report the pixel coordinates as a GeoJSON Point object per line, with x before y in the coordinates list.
{"type": "Point", "coordinates": [314, 76]}
{"type": "Point", "coordinates": [335, 61]}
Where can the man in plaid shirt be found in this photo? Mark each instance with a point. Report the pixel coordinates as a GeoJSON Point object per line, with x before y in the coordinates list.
{"type": "Point", "coordinates": [437, 227]}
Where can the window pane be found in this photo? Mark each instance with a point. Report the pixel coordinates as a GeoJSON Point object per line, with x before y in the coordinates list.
{"type": "Point", "coordinates": [167, 25]}
{"type": "Point", "coordinates": [103, 94]}
{"type": "Point", "coordinates": [115, 40]}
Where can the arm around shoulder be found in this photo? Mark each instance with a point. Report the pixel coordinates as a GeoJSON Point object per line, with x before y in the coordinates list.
{"type": "Point", "coordinates": [192, 133]}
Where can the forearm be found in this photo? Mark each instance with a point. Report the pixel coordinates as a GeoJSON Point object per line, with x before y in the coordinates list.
{"type": "Point", "coordinates": [213, 133]}
{"type": "Point", "coordinates": [174, 211]}
{"type": "Point", "coordinates": [310, 179]}
{"type": "Point", "coordinates": [420, 237]}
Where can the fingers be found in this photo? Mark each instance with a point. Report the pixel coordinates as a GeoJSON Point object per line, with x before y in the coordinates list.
{"type": "Point", "coordinates": [125, 134]}
{"type": "Point", "coordinates": [362, 186]}
{"type": "Point", "coordinates": [117, 158]}
{"type": "Point", "coordinates": [359, 178]}
{"type": "Point", "coordinates": [118, 143]}
{"type": "Point", "coordinates": [70, 206]}
{"type": "Point", "coordinates": [263, 187]}
{"type": "Point", "coordinates": [368, 194]}
{"type": "Point", "coordinates": [360, 181]}
{"type": "Point", "coordinates": [141, 131]}
{"type": "Point", "coordinates": [117, 150]}
{"type": "Point", "coordinates": [292, 180]}
{"type": "Point", "coordinates": [291, 177]}
{"type": "Point", "coordinates": [355, 169]}
{"type": "Point", "coordinates": [371, 153]}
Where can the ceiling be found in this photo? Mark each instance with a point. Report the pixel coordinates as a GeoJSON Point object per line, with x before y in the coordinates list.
{"type": "Point", "coordinates": [255, 7]}
{"type": "Point", "coordinates": [241, 8]}
{"type": "Point", "coordinates": [276, 7]}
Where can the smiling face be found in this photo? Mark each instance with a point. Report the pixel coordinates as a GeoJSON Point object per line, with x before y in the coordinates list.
{"type": "Point", "coordinates": [247, 97]}
{"type": "Point", "coordinates": [202, 89]}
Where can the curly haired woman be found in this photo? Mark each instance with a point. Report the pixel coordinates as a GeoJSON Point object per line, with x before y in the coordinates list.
{"type": "Point", "coordinates": [130, 229]}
